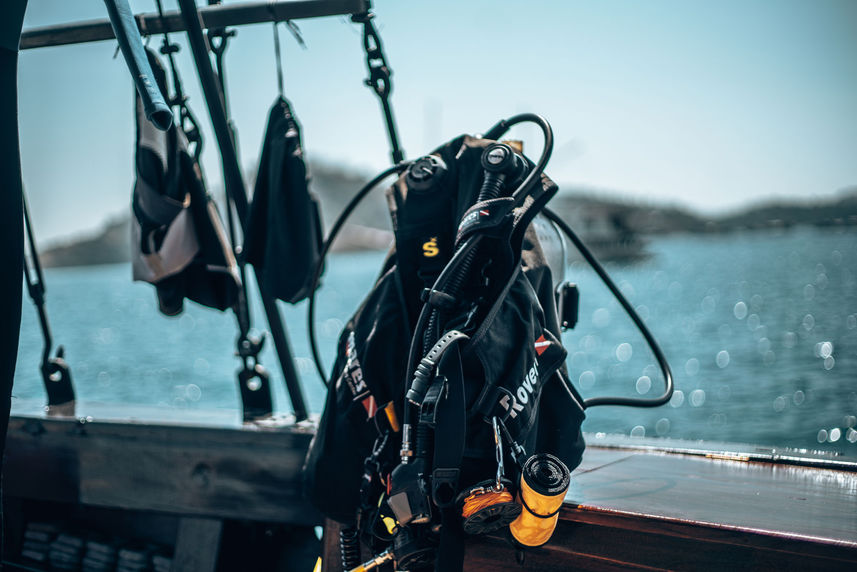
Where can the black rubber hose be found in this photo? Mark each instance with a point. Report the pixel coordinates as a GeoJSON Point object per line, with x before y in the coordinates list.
{"type": "Point", "coordinates": [635, 317]}
{"type": "Point", "coordinates": [334, 231]}
{"type": "Point", "coordinates": [504, 125]}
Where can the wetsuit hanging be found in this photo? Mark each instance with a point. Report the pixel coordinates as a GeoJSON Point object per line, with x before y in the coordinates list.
{"type": "Point", "coordinates": [180, 245]}
{"type": "Point", "coordinates": [284, 236]}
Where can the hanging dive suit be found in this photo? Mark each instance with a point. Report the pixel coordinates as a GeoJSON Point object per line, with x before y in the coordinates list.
{"type": "Point", "coordinates": [284, 234]}
{"type": "Point", "coordinates": [488, 358]}
{"type": "Point", "coordinates": [179, 242]}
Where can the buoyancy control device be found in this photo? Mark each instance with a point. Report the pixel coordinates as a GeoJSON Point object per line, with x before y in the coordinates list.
{"type": "Point", "coordinates": [450, 378]}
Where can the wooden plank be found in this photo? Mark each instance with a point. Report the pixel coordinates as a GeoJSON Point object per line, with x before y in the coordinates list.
{"type": "Point", "coordinates": [786, 501]}
{"type": "Point", "coordinates": [606, 546]}
{"type": "Point", "coordinates": [637, 510]}
{"type": "Point", "coordinates": [251, 473]}
{"type": "Point", "coordinates": [197, 544]}
{"type": "Point", "coordinates": [626, 508]}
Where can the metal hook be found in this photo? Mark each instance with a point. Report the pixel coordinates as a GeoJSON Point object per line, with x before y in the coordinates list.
{"type": "Point", "coordinates": [498, 448]}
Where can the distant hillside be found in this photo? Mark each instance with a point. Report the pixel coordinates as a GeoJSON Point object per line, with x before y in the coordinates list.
{"type": "Point", "coordinates": [581, 205]}
{"type": "Point", "coordinates": [609, 222]}
{"type": "Point", "coordinates": [582, 210]}
{"type": "Point", "coordinates": [839, 211]}
{"type": "Point", "coordinates": [110, 245]}
{"type": "Point", "coordinates": [368, 228]}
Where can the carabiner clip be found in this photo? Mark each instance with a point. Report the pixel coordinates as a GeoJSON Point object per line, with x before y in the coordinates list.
{"type": "Point", "coordinates": [498, 448]}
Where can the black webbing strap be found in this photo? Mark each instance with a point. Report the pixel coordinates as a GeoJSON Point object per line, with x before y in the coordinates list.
{"type": "Point", "coordinates": [450, 428]}
{"type": "Point", "coordinates": [379, 77]}
{"type": "Point", "coordinates": [448, 452]}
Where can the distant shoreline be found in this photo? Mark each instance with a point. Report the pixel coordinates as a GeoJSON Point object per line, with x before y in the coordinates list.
{"type": "Point", "coordinates": [595, 218]}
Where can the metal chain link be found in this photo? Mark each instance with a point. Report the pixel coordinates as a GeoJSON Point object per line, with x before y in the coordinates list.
{"type": "Point", "coordinates": [379, 77]}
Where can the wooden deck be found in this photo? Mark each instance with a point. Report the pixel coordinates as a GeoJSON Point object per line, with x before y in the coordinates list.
{"type": "Point", "coordinates": [627, 507]}
{"type": "Point", "coordinates": [630, 509]}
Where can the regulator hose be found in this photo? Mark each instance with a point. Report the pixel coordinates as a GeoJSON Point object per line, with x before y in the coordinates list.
{"type": "Point", "coordinates": [331, 237]}
{"type": "Point", "coordinates": [632, 313]}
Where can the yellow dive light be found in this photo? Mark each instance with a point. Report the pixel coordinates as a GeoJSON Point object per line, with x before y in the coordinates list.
{"type": "Point", "coordinates": [544, 482]}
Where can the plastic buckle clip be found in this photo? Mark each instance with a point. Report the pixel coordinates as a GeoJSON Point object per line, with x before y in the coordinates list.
{"type": "Point", "coordinates": [444, 484]}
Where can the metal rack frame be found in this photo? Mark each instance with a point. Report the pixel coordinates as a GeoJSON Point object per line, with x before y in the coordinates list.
{"type": "Point", "coordinates": [194, 20]}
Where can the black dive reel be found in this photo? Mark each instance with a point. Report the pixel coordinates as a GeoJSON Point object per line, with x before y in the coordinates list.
{"type": "Point", "coordinates": [472, 420]}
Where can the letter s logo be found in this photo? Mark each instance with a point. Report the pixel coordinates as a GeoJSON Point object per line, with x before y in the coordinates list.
{"type": "Point", "coordinates": [430, 248]}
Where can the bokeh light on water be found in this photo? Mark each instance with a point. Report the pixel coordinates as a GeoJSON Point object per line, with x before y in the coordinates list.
{"type": "Point", "coordinates": [760, 330]}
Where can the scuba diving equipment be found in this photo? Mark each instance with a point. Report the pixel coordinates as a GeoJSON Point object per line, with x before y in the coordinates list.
{"type": "Point", "coordinates": [385, 557]}
{"type": "Point", "coordinates": [56, 373]}
{"type": "Point", "coordinates": [544, 482]}
{"type": "Point", "coordinates": [180, 245]}
{"type": "Point", "coordinates": [491, 350]}
{"type": "Point", "coordinates": [127, 34]}
{"type": "Point", "coordinates": [427, 280]}
{"type": "Point", "coordinates": [284, 222]}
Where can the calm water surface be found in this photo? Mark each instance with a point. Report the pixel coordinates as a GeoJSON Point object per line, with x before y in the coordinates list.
{"type": "Point", "coordinates": [760, 329]}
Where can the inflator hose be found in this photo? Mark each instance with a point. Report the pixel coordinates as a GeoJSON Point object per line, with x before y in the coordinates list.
{"type": "Point", "coordinates": [334, 231]}
{"type": "Point", "coordinates": [635, 317]}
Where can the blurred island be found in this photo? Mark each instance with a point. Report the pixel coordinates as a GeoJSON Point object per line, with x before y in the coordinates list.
{"type": "Point", "coordinates": [614, 228]}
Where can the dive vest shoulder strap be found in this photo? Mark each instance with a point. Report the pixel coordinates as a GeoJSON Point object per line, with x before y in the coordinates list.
{"type": "Point", "coordinates": [448, 453]}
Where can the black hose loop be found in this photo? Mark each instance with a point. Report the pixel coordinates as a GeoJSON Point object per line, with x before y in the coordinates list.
{"type": "Point", "coordinates": [635, 317]}
{"type": "Point", "coordinates": [331, 237]}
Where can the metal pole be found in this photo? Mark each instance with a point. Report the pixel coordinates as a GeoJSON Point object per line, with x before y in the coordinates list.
{"type": "Point", "coordinates": [234, 183]}
{"type": "Point", "coordinates": [215, 16]}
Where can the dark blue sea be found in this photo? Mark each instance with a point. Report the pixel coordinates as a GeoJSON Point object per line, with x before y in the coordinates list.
{"type": "Point", "coordinates": [759, 327]}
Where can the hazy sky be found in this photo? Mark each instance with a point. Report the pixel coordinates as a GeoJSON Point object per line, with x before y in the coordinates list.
{"type": "Point", "coordinates": [706, 104]}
